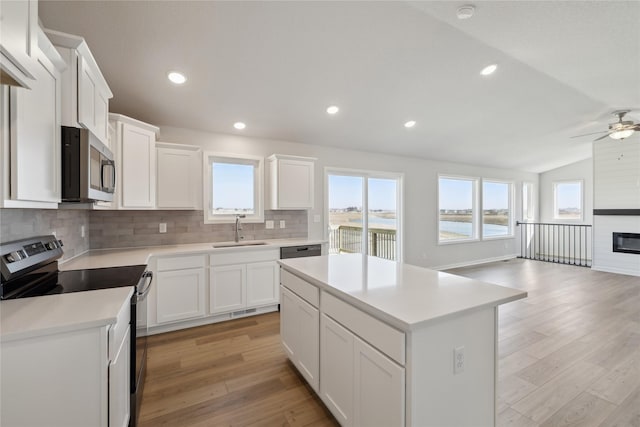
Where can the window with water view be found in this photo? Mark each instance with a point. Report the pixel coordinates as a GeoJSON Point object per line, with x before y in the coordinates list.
{"type": "Point", "coordinates": [456, 204]}
{"type": "Point", "coordinates": [496, 209]}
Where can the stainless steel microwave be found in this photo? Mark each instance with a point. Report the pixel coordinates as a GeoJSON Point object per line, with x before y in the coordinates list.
{"type": "Point", "coordinates": [88, 168]}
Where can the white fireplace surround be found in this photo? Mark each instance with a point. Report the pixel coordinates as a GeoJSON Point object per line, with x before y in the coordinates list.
{"type": "Point", "coordinates": [604, 258]}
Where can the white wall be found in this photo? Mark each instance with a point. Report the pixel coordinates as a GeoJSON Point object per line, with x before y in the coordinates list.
{"type": "Point", "coordinates": [582, 170]}
{"type": "Point", "coordinates": [420, 189]}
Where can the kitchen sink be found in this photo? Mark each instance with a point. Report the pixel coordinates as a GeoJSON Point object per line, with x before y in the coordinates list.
{"type": "Point", "coordinates": [237, 244]}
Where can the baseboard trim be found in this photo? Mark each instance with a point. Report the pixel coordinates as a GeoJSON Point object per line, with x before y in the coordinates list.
{"type": "Point", "coordinates": [475, 262]}
{"type": "Point", "coordinates": [616, 270]}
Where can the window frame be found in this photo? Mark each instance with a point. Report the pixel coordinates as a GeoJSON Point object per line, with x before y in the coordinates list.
{"type": "Point", "coordinates": [366, 175]}
{"type": "Point", "coordinates": [209, 158]}
{"type": "Point", "coordinates": [555, 199]}
{"type": "Point", "coordinates": [510, 233]}
{"type": "Point", "coordinates": [475, 228]}
{"type": "Point", "coordinates": [530, 200]}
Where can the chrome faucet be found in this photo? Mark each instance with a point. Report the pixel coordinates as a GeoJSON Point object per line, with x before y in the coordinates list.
{"type": "Point", "coordinates": [238, 228]}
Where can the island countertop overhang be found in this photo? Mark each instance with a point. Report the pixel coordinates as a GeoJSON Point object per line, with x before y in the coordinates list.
{"type": "Point", "coordinates": [403, 295]}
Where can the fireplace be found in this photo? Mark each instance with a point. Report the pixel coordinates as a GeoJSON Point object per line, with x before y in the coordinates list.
{"type": "Point", "coordinates": [628, 243]}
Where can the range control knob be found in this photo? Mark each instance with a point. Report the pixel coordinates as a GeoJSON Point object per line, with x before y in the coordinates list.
{"type": "Point", "coordinates": [51, 245]}
{"type": "Point", "coordinates": [13, 256]}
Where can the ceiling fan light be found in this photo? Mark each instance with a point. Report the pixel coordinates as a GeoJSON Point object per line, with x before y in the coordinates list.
{"type": "Point", "coordinates": [622, 134]}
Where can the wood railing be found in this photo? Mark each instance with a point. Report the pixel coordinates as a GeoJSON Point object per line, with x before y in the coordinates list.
{"type": "Point", "coordinates": [348, 239]}
{"type": "Point", "coordinates": [558, 243]}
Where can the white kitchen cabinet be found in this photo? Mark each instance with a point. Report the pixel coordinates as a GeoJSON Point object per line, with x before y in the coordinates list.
{"type": "Point", "coordinates": [243, 279]}
{"type": "Point", "coordinates": [179, 292]}
{"type": "Point", "coordinates": [119, 380]}
{"type": "Point", "coordinates": [135, 162]}
{"type": "Point", "coordinates": [291, 180]}
{"type": "Point", "coordinates": [337, 379]}
{"type": "Point", "coordinates": [262, 283]}
{"type": "Point", "coordinates": [227, 290]}
{"type": "Point", "coordinates": [32, 165]}
{"type": "Point", "coordinates": [179, 176]}
{"type": "Point", "coordinates": [378, 392]}
{"type": "Point", "coordinates": [300, 335]}
{"type": "Point", "coordinates": [85, 92]}
{"type": "Point", "coordinates": [68, 377]}
{"type": "Point", "coordinates": [359, 385]}
{"type": "Point", "coordinates": [18, 34]}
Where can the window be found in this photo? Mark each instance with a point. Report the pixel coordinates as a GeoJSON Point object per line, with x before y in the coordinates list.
{"type": "Point", "coordinates": [457, 209]}
{"type": "Point", "coordinates": [496, 209]}
{"type": "Point", "coordinates": [528, 208]}
{"type": "Point", "coordinates": [233, 186]}
{"type": "Point", "coordinates": [364, 213]}
{"type": "Point", "coordinates": [567, 197]}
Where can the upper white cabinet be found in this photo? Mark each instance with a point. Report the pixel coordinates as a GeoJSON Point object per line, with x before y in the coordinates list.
{"type": "Point", "coordinates": [179, 173]}
{"type": "Point", "coordinates": [135, 148]}
{"type": "Point", "coordinates": [31, 160]}
{"type": "Point", "coordinates": [18, 41]}
{"type": "Point", "coordinates": [291, 182]}
{"type": "Point", "coordinates": [85, 92]}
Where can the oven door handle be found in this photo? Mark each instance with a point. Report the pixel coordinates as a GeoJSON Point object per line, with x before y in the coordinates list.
{"type": "Point", "coordinates": [146, 275]}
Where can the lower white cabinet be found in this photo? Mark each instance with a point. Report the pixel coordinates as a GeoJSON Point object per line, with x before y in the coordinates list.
{"type": "Point", "coordinates": [243, 280]}
{"type": "Point", "coordinates": [227, 291]}
{"type": "Point", "coordinates": [180, 288]}
{"type": "Point", "coordinates": [119, 380]}
{"type": "Point", "coordinates": [299, 330]}
{"type": "Point", "coordinates": [359, 385]}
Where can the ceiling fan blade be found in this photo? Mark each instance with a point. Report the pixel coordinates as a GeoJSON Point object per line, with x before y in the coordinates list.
{"type": "Point", "coordinates": [587, 134]}
{"type": "Point", "coordinates": [602, 137]}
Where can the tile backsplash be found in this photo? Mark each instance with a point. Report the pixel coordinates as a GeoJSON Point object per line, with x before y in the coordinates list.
{"type": "Point", "coordinates": [119, 229]}
{"type": "Point", "coordinates": [18, 224]}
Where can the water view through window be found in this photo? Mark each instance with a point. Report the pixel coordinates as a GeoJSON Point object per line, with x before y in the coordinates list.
{"type": "Point", "coordinates": [347, 204]}
{"type": "Point", "coordinates": [456, 204]}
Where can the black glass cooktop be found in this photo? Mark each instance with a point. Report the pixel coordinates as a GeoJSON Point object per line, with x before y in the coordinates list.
{"type": "Point", "coordinates": [44, 282]}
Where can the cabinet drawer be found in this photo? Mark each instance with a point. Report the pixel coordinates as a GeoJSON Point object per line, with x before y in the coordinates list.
{"type": "Point", "coordinates": [388, 340]}
{"type": "Point", "coordinates": [118, 331]}
{"type": "Point", "coordinates": [181, 263]}
{"type": "Point", "coordinates": [302, 288]}
{"type": "Point", "coordinates": [243, 257]}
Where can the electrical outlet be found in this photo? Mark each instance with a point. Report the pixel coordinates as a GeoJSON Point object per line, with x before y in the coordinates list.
{"type": "Point", "coordinates": [82, 231]}
{"type": "Point", "coordinates": [282, 224]}
{"type": "Point", "coordinates": [268, 224]}
{"type": "Point", "coordinates": [163, 227]}
{"type": "Point", "coordinates": [458, 360]}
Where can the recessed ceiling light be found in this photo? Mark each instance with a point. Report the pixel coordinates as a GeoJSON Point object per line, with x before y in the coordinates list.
{"type": "Point", "coordinates": [333, 109]}
{"type": "Point", "coordinates": [410, 124]}
{"type": "Point", "coordinates": [465, 12]}
{"type": "Point", "coordinates": [176, 77]}
{"type": "Point", "coordinates": [239, 125]}
{"type": "Point", "coordinates": [489, 69]}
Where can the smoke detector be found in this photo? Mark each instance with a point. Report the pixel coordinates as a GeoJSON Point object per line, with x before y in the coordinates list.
{"type": "Point", "coordinates": [466, 11]}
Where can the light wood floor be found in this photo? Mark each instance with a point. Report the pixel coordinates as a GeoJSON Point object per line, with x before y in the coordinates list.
{"type": "Point", "coordinates": [569, 355]}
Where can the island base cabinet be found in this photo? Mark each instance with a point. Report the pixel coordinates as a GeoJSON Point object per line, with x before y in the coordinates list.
{"type": "Point", "coordinates": [300, 330]}
{"type": "Point", "coordinates": [180, 295]}
{"type": "Point", "coordinates": [119, 379]}
{"type": "Point", "coordinates": [359, 385]}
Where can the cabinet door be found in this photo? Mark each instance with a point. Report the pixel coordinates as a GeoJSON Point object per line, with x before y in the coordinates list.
{"type": "Point", "coordinates": [87, 91]}
{"type": "Point", "coordinates": [102, 116]}
{"type": "Point", "coordinates": [307, 357]}
{"type": "Point", "coordinates": [35, 136]}
{"type": "Point", "coordinates": [228, 288]}
{"type": "Point", "coordinates": [177, 178]}
{"type": "Point", "coordinates": [288, 307]}
{"type": "Point", "coordinates": [295, 184]}
{"type": "Point", "coordinates": [180, 295]}
{"type": "Point", "coordinates": [336, 362]}
{"type": "Point", "coordinates": [137, 163]}
{"type": "Point", "coordinates": [120, 386]}
{"type": "Point", "coordinates": [378, 388]}
{"type": "Point", "coordinates": [18, 34]}
{"type": "Point", "coordinates": [262, 283]}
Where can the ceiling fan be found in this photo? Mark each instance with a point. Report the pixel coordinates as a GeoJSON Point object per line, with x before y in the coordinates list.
{"type": "Point", "coordinates": [619, 130]}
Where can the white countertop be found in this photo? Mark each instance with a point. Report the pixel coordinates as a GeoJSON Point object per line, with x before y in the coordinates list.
{"type": "Point", "coordinates": [101, 258]}
{"type": "Point", "coordinates": [403, 295]}
{"type": "Point", "coordinates": [50, 314]}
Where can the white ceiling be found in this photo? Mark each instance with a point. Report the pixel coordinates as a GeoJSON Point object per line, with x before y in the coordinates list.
{"type": "Point", "coordinates": [563, 67]}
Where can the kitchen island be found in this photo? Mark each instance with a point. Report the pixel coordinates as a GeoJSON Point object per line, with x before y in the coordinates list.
{"type": "Point", "coordinates": [384, 343]}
